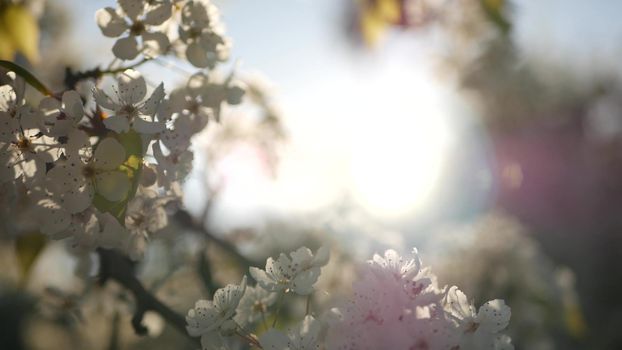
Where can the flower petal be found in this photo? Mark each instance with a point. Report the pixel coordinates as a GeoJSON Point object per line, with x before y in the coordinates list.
{"type": "Point", "coordinates": [117, 124]}
{"type": "Point", "coordinates": [132, 87]}
{"type": "Point", "coordinates": [72, 104]}
{"type": "Point", "coordinates": [197, 55]}
{"type": "Point", "coordinates": [153, 102]}
{"type": "Point", "coordinates": [155, 43]}
{"type": "Point", "coordinates": [126, 48]}
{"type": "Point", "coordinates": [146, 127]}
{"type": "Point", "coordinates": [132, 8]}
{"type": "Point", "coordinates": [111, 24]}
{"type": "Point", "coordinates": [112, 185]}
{"type": "Point", "coordinates": [109, 154]}
{"type": "Point", "coordinates": [103, 100]}
{"type": "Point", "coordinates": [159, 14]}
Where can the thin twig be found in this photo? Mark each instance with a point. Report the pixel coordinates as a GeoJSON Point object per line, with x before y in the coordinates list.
{"type": "Point", "coordinates": [184, 219]}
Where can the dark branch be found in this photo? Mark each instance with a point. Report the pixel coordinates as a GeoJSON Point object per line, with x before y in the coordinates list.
{"type": "Point", "coordinates": [184, 219]}
{"type": "Point", "coordinates": [117, 267]}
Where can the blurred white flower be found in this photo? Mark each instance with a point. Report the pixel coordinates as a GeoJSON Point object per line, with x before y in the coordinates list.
{"type": "Point", "coordinates": [296, 273]}
{"type": "Point", "coordinates": [143, 17]}
{"type": "Point", "coordinates": [200, 30]}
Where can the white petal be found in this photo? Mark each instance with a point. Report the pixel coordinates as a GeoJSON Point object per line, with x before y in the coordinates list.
{"type": "Point", "coordinates": [153, 102]}
{"type": "Point", "coordinates": [146, 127]}
{"type": "Point", "coordinates": [78, 199]}
{"type": "Point", "coordinates": [132, 87]}
{"type": "Point", "coordinates": [109, 154]}
{"type": "Point", "coordinates": [321, 257]}
{"type": "Point", "coordinates": [197, 55]}
{"type": "Point", "coordinates": [111, 24]}
{"type": "Point", "coordinates": [132, 8]}
{"type": "Point", "coordinates": [54, 218]}
{"type": "Point", "coordinates": [112, 185]}
{"type": "Point", "coordinates": [159, 14]}
{"type": "Point", "coordinates": [494, 316]}
{"type": "Point", "coordinates": [117, 124]}
{"type": "Point", "coordinates": [263, 279]}
{"type": "Point", "coordinates": [274, 340]}
{"type": "Point", "coordinates": [76, 139]}
{"type": "Point", "coordinates": [50, 107]}
{"type": "Point", "coordinates": [126, 48]}
{"type": "Point", "coordinates": [72, 104]}
{"type": "Point", "coordinates": [155, 43]}
{"type": "Point", "coordinates": [103, 100]}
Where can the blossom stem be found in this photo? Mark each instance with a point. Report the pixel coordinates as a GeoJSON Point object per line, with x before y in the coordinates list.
{"type": "Point", "coordinates": [278, 309]}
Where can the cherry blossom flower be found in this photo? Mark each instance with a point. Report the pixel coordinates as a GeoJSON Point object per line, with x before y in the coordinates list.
{"type": "Point", "coordinates": [77, 177]}
{"type": "Point", "coordinates": [201, 32]}
{"type": "Point", "coordinates": [24, 149]}
{"type": "Point", "coordinates": [209, 319]}
{"type": "Point", "coordinates": [129, 110]}
{"type": "Point", "coordinates": [397, 304]}
{"type": "Point", "coordinates": [143, 17]}
{"type": "Point", "coordinates": [254, 305]}
{"type": "Point", "coordinates": [62, 116]}
{"type": "Point", "coordinates": [305, 337]}
{"type": "Point", "coordinates": [296, 273]}
{"type": "Point", "coordinates": [481, 330]}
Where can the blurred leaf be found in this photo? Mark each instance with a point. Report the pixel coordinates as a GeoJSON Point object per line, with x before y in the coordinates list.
{"type": "Point", "coordinates": [19, 32]}
{"type": "Point", "coordinates": [496, 11]}
{"type": "Point", "coordinates": [132, 166]}
{"type": "Point", "coordinates": [574, 321]}
{"type": "Point", "coordinates": [376, 16]}
{"type": "Point", "coordinates": [28, 247]}
{"type": "Point", "coordinates": [26, 75]}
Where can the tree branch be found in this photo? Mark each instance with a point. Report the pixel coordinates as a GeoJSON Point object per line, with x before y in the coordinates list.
{"type": "Point", "coordinates": [115, 266]}
{"type": "Point", "coordinates": [184, 219]}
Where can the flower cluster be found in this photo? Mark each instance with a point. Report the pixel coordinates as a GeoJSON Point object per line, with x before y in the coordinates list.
{"type": "Point", "coordinates": [236, 307]}
{"type": "Point", "coordinates": [98, 168]}
{"type": "Point", "coordinates": [190, 29]}
{"type": "Point", "coordinates": [397, 304]}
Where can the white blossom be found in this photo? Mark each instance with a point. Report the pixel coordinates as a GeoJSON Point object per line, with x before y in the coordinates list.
{"type": "Point", "coordinates": [200, 30]}
{"type": "Point", "coordinates": [296, 273]}
{"type": "Point", "coordinates": [62, 116]}
{"type": "Point", "coordinates": [480, 330]}
{"type": "Point", "coordinates": [209, 319]}
{"type": "Point", "coordinates": [254, 305]}
{"type": "Point", "coordinates": [143, 17]}
{"type": "Point", "coordinates": [77, 177]}
{"type": "Point", "coordinates": [129, 109]}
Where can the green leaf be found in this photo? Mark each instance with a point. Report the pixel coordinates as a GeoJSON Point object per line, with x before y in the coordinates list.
{"type": "Point", "coordinates": [27, 76]}
{"type": "Point", "coordinates": [132, 167]}
{"type": "Point", "coordinates": [19, 32]}
{"type": "Point", "coordinates": [28, 247]}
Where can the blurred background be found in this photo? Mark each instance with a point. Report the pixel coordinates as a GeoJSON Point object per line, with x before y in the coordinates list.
{"type": "Point", "coordinates": [487, 133]}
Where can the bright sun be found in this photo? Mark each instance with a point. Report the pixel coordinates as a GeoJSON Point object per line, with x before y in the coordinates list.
{"type": "Point", "coordinates": [397, 159]}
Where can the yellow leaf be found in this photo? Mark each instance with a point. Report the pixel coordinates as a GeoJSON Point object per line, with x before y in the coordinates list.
{"type": "Point", "coordinates": [376, 16]}
{"type": "Point", "coordinates": [19, 32]}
